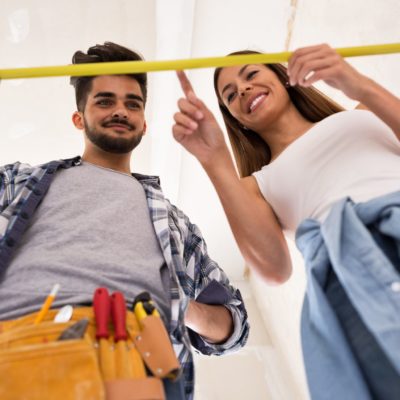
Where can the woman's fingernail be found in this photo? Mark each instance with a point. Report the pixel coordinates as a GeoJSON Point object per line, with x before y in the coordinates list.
{"type": "Point", "coordinates": [193, 125]}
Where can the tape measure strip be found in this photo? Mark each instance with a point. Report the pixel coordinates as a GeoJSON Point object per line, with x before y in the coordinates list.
{"type": "Point", "coordinates": [130, 67]}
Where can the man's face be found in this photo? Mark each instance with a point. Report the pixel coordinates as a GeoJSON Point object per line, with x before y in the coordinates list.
{"type": "Point", "coordinates": [114, 114]}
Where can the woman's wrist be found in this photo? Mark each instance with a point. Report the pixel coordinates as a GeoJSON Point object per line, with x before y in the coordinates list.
{"type": "Point", "coordinates": [365, 89]}
{"type": "Point", "coordinates": [218, 161]}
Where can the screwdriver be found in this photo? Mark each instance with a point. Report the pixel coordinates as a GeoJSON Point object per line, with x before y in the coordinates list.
{"type": "Point", "coordinates": [124, 357]}
{"type": "Point", "coordinates": [102, 310]}
{"type": "Point", "coordinates": [118, 313]}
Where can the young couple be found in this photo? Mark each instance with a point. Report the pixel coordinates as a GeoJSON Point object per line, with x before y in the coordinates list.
{"type": "Point", "coordinates": [307, 168]}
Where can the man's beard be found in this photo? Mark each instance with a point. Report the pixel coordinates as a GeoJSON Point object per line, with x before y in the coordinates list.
{"type": "Point", "coordinates": [117, 145]}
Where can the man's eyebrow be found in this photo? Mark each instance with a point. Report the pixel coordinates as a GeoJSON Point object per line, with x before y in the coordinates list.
{"type": "Point", "coordinates": [226, 87]}
{"type": "Point", "coordinates": [129, 96]}
{"type": "Point", "coordinates": [104, 94]}
{"type": "Point", "coordinates": [134, 97]}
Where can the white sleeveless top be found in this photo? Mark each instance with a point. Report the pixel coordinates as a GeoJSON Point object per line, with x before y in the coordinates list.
{"type": "Point", "coordinates": [351, 153]}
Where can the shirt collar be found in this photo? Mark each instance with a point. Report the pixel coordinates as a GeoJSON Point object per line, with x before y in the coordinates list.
{"type": "Point", "coordinates": [147, 179]}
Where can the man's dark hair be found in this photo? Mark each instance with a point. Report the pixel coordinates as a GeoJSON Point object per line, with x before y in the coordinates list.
{"type": "Point", "coordinates": [107, 52]}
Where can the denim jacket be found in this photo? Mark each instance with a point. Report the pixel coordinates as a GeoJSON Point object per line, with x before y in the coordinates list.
{"type": "Point", "coordinates": [345, 242]}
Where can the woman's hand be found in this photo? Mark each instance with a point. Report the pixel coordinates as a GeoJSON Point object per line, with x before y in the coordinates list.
{"type": "Point", "coordinates": [195, 126]}
{"type": "Point", "coordinates": [310, 64]}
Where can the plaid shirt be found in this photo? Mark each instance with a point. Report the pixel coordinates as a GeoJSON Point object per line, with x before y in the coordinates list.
{"type": "Point", "coordinates": [193, 275]}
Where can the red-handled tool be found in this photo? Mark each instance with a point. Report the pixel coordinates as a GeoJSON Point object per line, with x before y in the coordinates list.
{"type": "Point", "coordinates": [102, 311]}
{"type": "Point", "coordinates": [128, 363]}
{"type": "Point", "coordinates": [118, 312]}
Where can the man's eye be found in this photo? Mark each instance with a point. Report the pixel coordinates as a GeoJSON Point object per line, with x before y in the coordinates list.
{"type": "Point", "coordinates": [104, 102]}
{"type": "Point", "coordinates": [133, 105]}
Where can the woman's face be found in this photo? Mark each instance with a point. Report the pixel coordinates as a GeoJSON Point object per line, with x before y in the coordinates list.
{"type": "Point", "coordinates": [253, 94]}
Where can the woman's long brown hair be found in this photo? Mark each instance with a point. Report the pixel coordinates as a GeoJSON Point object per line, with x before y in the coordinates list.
{"type": "Point", "coordinates": [251, 152]}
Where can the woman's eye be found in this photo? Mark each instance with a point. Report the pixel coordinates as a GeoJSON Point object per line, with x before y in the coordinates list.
{"type": "Point", "coordinates": [230, 97]}
{"type": "Point", "coordinates": [251, 74]}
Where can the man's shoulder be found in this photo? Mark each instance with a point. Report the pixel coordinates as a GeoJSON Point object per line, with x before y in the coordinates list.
{"type": "Point", "coordinates": [19, 169]}
{"type": "Point", "coordinates": [149, 179]}
{"type": "Point", "coordinates": [157, 200]}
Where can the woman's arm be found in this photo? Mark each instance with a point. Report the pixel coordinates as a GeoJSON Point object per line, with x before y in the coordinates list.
{"type": "Point", "coordinates": [381, 102]}
{"type": "Point", "coordinates": [253, 223]}
{"type": "Point", "coordinates": [321, 62]}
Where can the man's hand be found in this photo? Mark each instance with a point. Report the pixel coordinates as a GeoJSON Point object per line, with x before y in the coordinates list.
{"type": "Point", "coordinates": [213, 322]}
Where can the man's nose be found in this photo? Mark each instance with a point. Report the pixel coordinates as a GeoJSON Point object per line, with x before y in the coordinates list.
{"type": "Point", "coordinates": [120, 112]}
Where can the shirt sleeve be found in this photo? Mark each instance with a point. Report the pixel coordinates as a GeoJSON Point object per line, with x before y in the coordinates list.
{"type": "Point", "coordinates": [211, 286]}
{"type": "Point", "coordinates": [3, 187]}
{"type": "Point", "coordinates": [7, 174]}
{"type": "Point", "coordinates": [12, 180]}
{"type": "Point", "coordinates": [10, 177]}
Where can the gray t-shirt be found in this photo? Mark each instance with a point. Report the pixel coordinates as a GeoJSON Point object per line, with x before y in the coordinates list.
{"type": "Point", "coordinates": [92, 229]}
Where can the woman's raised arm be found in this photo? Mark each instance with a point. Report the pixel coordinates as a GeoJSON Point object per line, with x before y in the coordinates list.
{"type": "Point", "coordinates": [310, 64]}
{"type": "Point", "coordinates": [253, 223]}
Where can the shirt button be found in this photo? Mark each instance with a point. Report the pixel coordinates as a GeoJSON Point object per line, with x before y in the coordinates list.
{"type": "Point", "coordinates": [395, 286]}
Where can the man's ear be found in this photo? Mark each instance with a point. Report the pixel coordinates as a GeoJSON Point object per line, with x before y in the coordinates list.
{"type": "Point", "coordinates": [77, 119]}
{"type": "Point", "coordinates": [144, 128]}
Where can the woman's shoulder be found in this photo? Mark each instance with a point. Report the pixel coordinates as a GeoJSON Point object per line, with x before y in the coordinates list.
{"type": "Point", "coordinates": [327, 132]}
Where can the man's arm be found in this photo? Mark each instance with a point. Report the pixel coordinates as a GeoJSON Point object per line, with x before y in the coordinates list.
{"type": "Point", "coordinates": [216, 316]}
{"type": "Point", "coordinates": [214, 323]}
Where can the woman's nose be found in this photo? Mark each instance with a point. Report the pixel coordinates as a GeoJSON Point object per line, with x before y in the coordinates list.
{"type": "Point", "coordinates": [243, 90]}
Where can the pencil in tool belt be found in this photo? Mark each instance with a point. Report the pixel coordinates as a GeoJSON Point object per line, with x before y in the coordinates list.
{"type": "Point", "coordinates": [47, 304]}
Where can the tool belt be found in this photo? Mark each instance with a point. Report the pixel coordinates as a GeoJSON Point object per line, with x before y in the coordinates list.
{"type": "Point", "coordinates": [35, 364]}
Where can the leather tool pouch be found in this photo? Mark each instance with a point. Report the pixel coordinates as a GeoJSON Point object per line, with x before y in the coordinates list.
{"type": "Point", "coordinates": [34, 365]}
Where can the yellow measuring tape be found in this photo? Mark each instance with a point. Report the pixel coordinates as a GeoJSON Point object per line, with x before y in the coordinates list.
{"type": "Point", "coordinates": [129, 67]}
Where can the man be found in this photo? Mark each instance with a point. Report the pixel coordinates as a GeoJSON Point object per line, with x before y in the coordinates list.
{"type": "Point", "coordinates": [87, 222]}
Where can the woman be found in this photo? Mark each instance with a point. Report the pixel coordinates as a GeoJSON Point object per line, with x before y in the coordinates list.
{"type": "Point", "coordinates": [330, 176]}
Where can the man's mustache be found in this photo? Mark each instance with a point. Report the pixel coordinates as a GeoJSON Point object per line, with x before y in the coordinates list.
{"type": "Point", "coordinates": [118, 121]}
